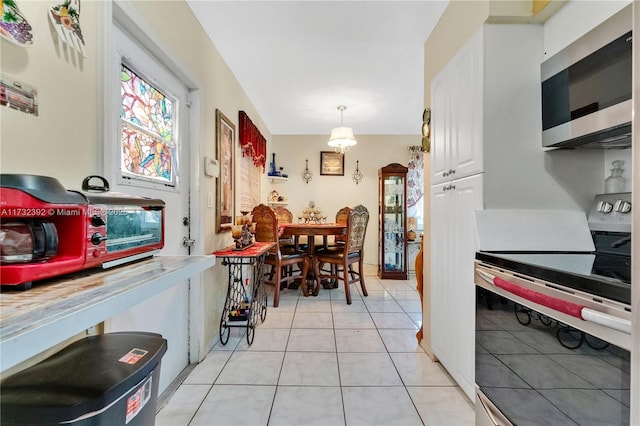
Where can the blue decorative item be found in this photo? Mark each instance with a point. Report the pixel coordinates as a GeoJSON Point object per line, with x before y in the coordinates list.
{"type": "Point", "coordinates": [273, 171]}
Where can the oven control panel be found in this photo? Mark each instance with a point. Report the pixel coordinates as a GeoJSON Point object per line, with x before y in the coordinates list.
{"type": "Point", "coordinates": [611, 212]}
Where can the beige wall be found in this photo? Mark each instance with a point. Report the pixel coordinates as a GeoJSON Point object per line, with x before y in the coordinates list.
{"type": "Point", "coordinates": [331, 193]}
{"type": "Point", "coordinates": [64, 141]}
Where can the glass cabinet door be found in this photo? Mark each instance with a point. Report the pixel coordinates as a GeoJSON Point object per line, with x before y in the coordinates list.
{"type": "Point", "coordinates": [393, 243]}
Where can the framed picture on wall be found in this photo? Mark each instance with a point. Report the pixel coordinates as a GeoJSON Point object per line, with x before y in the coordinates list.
{"type": "Point", "coordinates": [225, 185]}
{"type": "Point", "coordinates": [331, 163]}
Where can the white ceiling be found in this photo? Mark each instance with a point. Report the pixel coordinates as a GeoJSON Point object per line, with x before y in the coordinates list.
{"type": "Point", "coordinates": [298, 60]}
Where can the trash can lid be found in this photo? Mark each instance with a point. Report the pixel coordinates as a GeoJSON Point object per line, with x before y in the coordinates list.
{"type": "Point", "coordinates": [84, 377]}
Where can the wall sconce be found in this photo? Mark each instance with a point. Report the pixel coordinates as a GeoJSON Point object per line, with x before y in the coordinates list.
{"type": "Point", "coordinates": [306, 174]}
{"type": "Point", "coordinates": [357, 175]}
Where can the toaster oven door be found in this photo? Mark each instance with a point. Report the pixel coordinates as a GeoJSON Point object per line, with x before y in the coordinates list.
{"type": "Point", "coordinates": [129, 228]}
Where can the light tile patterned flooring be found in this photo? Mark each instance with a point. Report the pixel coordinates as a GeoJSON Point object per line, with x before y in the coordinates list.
{"type": "Point", "coordinates": [319, 361]}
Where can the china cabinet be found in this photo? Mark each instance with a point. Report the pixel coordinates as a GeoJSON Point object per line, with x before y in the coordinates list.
{"type": "Point", "coordinates": [392, 209]}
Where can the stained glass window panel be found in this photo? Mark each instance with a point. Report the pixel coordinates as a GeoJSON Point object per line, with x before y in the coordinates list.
{"type": "Point", "coordinates": [145, 155]}
{"type": "Point", "coordinates": [148, 122]}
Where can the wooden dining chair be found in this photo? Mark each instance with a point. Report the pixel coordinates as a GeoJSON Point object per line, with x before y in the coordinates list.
{"type": "Point", "coordinates": [288, 244]}
{"type": "Point", "coordinates": [338, 241]}
{"type": "Point", "coordinates": [344, 257]}
{"type": "Point", "coordinates": [267, 231]}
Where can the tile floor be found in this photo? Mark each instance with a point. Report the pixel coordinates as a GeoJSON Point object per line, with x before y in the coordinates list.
{"type": "Point", "coordinates": [319, 361]}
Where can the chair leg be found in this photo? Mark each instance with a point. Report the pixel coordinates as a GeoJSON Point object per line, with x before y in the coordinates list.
{"type": "Point", "coordinates": [276, 287]}
{"type": "Point", "coordinates": [361, 277]}
{"type": "Point", "coordinates": [316, 270]}
{"type": "Point", "coordinates": [345, 278]}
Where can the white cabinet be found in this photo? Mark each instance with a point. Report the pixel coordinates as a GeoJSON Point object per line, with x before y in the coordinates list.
{"type": "Point", "coordinates": [457, 114]}
{"type": "Point", "coordinates": [452, 288]}
{"type": "Point", "coordinates": [485, 108]}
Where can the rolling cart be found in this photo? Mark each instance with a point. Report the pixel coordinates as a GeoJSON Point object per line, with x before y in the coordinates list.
{"type": "Point", "coordinates": [246, 296]}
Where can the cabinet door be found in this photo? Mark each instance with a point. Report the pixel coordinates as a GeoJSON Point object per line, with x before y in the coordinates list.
{"type": "Point", "coordinates": [466, 198]}
{"type": "Point", "coordinates": [442, 275]}
{"type": "Point", "coordinates": [453, 246]}
{"type": "Point", "coordinates": [466, 140]}
{"type": "Point", "coordinates": [456, 114]}
{"type": "Point", "coordinates": [440, 125]}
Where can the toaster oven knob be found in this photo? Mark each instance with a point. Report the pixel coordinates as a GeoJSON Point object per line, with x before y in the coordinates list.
{"type": "Point", "coordinates": [97, 238]}
{"type": "Point", "coordinates": [97, 220]}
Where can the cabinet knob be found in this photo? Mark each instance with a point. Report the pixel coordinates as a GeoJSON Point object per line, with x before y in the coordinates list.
{"type": "Point", "coordinates": [445, 174]}
{"type": "Point", "coordinates": [452, 172]}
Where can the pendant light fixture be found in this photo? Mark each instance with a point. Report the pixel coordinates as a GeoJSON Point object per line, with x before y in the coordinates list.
{"type": "Point", "coordinates": [342, 138]}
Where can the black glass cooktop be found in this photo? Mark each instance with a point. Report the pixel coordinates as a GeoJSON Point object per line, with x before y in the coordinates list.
{"type": "Point", "coordinates": [603, 275]}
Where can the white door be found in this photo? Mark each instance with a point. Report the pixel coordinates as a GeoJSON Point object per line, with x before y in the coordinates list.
{"type": "Point", "coordinates": [166, 313]}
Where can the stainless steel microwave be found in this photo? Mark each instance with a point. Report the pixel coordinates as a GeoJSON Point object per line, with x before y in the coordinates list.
{"type": "Point", "coordinates": [586, 89]}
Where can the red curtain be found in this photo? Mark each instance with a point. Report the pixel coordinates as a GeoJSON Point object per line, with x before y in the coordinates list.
{"type": "Point", "coordinates": [252, 143]}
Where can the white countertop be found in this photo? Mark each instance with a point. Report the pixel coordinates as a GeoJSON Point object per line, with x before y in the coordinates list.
{"type": "Point", "coordinates": [34, 320]}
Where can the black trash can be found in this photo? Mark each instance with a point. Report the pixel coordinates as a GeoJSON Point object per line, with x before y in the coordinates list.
{"type": "Point", "coordinates": [109, 379]}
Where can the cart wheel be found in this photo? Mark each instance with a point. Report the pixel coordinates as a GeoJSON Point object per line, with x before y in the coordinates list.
{"type": "Point", "coordinates": [224, 332]}
{"type": "Point", "coordinates": [263, 311]}
{"type": "Point", "coordinates": [569, 337]}
{"type": "Point", "coordinates": [251, 332]}
{"type": "Point", "coordinates": [523, 314]}
{"type": "Point", "coordinates": [595, 343]}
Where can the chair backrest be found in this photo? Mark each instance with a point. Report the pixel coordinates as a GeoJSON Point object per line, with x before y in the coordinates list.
{"type": "Point", "coordinates": [266, 223]}
{"type": "Point", "coordinates": [283, 214]}
{"type": "Point", "coordinates": [341, 217]}
{"type": "Point", "coordinates": [356, 228]}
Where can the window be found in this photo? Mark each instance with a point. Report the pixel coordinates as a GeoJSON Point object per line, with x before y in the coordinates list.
{"type": "Point", "coordinates": [249, 184]}
{"type": "Point", "coordinates": [147, 115]}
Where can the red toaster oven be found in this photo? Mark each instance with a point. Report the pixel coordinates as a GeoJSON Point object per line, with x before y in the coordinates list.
{"type": "Point", "coordinates": [47, 230]}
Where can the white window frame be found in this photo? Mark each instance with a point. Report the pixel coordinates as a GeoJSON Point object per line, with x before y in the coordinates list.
{"type": "Point", "coordinates": [162, 79]}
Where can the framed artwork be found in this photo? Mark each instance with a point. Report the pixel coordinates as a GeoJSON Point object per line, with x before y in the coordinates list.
{"type": "Point", "coordinates": [225, 185]}
{"type": "Point", "coordinates": [331, 163]}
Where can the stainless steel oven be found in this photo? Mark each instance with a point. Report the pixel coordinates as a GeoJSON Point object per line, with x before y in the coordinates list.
{"type": "Point", "coordinates": [553, 330]}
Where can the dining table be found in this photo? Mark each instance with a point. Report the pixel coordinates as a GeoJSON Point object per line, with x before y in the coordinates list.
{"type": "Point", "coordinates": [311, 230]}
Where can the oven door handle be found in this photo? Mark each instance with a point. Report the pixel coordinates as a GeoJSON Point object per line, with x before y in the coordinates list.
{"type": "Point", "coordinates": [583, 313]}
{"type": "Point", "coordinates": [606, 320]}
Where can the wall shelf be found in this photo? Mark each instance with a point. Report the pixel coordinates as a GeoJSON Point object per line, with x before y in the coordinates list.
{"type": "Point", "coordinates": [278, 179]}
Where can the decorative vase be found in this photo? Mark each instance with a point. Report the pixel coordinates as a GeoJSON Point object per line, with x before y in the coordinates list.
{"type": "Point", "coordinates": [272, 166]}
{"type": "Point", "coordinates": [411, 236]}
{"type": "Point", "coordinates": [615, 182]}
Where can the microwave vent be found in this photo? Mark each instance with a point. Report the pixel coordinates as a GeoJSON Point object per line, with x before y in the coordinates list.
{"type": "Point", "coordinates": [618, 137]}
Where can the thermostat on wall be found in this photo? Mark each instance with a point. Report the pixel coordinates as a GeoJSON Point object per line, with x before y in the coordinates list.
{"type": "Point", "coordinates": [211, 167]}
